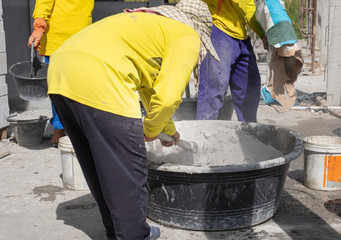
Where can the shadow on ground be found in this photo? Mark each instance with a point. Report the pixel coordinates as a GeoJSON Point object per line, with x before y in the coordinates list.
{"type": "Point", "coordinates": [82, 213]}
{"type": "Point", "coordinates": [334, 206]}
{"type": "Point", "coordinates": [295, 219]}
{"type": "Point", "coordinates": [298, 221]}
{"type": "Point", "coordinates": [297, 175]}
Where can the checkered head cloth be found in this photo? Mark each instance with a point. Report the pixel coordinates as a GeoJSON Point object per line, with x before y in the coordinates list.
{"type": "Point", "coordinates": [195, 14]}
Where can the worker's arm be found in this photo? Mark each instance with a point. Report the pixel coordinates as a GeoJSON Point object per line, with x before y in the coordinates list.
{"type": "Point", "coordinates": [180, 57]}
{"type": "Point", "coordinates": [43, 9]}
{"type": "Point", "coordinates": [41, 15]}
{"type": "Point", "coordinates": [251, 19]}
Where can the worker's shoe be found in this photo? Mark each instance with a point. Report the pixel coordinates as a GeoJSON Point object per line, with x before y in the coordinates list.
{"type": "Point", "coordinates": [154, 233]}
{"type": "Point", "coordinates": [57, 134]}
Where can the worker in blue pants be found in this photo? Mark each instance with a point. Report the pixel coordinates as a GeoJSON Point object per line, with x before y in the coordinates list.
{"type": "Point", "coordinates": [51, 28]}
{"type": "Point", "coordinates": [55, 122]}
{"type": "Point", "coordinates": [238, 69]}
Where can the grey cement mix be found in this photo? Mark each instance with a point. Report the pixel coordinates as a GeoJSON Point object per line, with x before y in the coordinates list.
{"type": "Point", "coordinates": [216, 145]}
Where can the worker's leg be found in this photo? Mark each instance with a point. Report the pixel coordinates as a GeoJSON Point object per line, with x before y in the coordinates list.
{"type": "Point", "coordinates": [58, 129]}
{"type": "Point", "coordinates": [118, 150]}
{"type": "Point", "coordinates": [245, 84]}
{"type": "Point", "coordinates": [215, 75]}
{"type": "Point", "coordinates": [84, 156]}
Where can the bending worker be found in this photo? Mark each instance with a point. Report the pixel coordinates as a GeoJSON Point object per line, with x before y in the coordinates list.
{"type": "Point", "coordinates": [54, 22]}
{"type": "Point", "coordinates": [95, 80]}
{"type": "Point", "coordinates": [237, 68]}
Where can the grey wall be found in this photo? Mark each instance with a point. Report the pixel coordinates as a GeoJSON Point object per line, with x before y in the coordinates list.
{"type": "Point", "coordinates": [106, 8]}
{"type": "Point", "coordinates": [4, 108]}
{"type": "Point", "coordinates": [17, 25]}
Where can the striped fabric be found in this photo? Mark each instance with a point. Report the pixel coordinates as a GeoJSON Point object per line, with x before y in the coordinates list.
{"type": "Point", "coordinates": [195, 14]}
{"type": "Point", "coordinates": [275, 22]}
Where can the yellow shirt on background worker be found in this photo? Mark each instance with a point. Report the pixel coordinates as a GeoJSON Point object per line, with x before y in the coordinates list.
{"type": "Point", "coordinates": [233, 16]}
{"type": "Point", "coordinates": [63, 18]}
{"type": "Point", "coordinates": [119, 58]}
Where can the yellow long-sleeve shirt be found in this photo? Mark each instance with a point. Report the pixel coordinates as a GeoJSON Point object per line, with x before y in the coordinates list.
{"type": "Point", "coordinates": [105, 64]}
{"type": "Point", "coordinates": [233, 16]}
{"type": "Point", "coordinates": [64, 18]}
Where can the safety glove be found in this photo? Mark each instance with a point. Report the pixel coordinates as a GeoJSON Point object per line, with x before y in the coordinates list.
{"type": "Point", "coordinates": [39, 26]}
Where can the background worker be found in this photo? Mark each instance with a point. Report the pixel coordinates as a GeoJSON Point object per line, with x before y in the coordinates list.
{"type": "Point", "coordinates": [237, 67]}
{"type": "Point", "coordinates": [93, 80]}
{"type": "Point", "coordinates": [54, 22]}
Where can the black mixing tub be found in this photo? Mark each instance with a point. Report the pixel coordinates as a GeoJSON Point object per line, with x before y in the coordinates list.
{"type": "Point", "coordinates": [225, 197]}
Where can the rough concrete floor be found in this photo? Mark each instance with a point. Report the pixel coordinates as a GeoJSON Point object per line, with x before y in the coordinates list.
{"type": "Point", "coordinates": [34, 205]}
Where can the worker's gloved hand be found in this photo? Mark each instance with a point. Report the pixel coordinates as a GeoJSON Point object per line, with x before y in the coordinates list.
{"type": "Point", "coordinates": [39, 26]}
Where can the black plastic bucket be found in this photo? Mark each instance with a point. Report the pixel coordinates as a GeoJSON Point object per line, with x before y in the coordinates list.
{"type": "Point", "coordinates": [28, 129]}
{"type": "Point", "coordinates": [30, 88]}
{"type": "Point", "coordinates": [225, 197]}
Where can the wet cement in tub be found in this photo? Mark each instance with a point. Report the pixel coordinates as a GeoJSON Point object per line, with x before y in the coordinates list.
{"type": "Point", "coordinates": [218, 145]}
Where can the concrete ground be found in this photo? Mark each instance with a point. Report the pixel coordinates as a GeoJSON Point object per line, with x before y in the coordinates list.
{"type": "Point", "coordinates": [34, 205]}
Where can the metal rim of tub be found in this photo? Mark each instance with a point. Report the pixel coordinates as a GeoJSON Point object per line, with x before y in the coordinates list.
{"type": "Point", "coordinates": [297, 150]}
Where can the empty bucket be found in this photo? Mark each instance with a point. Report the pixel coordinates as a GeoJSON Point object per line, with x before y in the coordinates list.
{"type": "Point", "coordinates": [322, 162]}
{"type": "Point", "coordinates": [28, 129]}
{"type": "Point", "coordinates": [73, 177]}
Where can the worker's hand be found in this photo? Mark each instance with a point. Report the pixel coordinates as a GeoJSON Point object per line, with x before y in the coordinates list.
{"type": "Point", "coordinates": [39, 26]}
{"type": "Point", "coordinates": [265, 42]}
{"type": "Point", "coordinates": [175, 137]}
{"type": "Point", "coordinates": [148, 139]}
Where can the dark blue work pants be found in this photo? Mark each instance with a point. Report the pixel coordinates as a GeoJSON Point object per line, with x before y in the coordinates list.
{"type": "Point", "coordinates": [55, 122]}
{"type": "Point", "coordinates": [238, 69]}
{"type": "Point", "coordinates": [111, 152]}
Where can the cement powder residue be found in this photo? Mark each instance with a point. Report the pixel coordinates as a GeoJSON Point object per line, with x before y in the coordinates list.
{"type": "Point", "coordinates": [217, 146]}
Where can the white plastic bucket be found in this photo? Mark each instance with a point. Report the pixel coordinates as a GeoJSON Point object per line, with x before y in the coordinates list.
{"type": "Point", "coordinates": [322, 162]}
{"type": "Point", "coordinates": [73, 177]}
